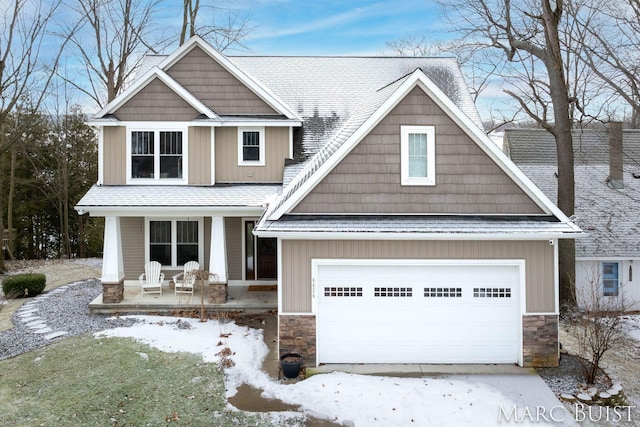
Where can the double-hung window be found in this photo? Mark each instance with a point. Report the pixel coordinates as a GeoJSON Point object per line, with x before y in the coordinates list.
{"type": "Point", "coordinates": [610, 279]}
{"type": "Point", "coordinates": [251, 146]}
{"type": "Point", "coordinates": [417, 155]}
{"type": "Point", "coordinates": [156, 154]}
{"type": "Point", "coordinates": [174, 242]}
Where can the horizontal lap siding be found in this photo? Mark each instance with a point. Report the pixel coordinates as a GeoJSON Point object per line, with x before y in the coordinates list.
{"type": "Point", "coordinates": [132, 230]}
{"type": "Point", "coordinates": [199, 156]}
{"type": "Point", "coordinates": [368, 179]}
{"type": "Point", "coordinates": [233, 234]}
{"type": "Point", "coordinates": [114, 155]}
{"type": "Point", "coordinates": [296, 274]}
{"type": "Point", "coordinates": [156, 102]}
{"type": "Point", "coordinates": [215, 86]}
{"type": "Point", "coordinates": [276, 150]}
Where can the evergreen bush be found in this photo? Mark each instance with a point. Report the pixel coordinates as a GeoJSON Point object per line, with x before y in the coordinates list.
{"type": "Point", "coordinates": [24, 285]}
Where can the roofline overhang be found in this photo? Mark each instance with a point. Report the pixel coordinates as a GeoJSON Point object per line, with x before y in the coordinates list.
{"type": "Point", "coordinates": [353, 235]}
{"type": "Point", "coordinates": [206, 123]}
{"type": "Point", "coordinates": [165, 211]}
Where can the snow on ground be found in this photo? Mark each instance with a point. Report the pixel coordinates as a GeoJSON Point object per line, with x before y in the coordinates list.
{"type": "Point", "coordinates": [358, 399]}
{"type": "Point", "coordinates": [633, 322]}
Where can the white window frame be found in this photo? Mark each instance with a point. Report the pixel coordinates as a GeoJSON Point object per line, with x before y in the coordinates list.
{"type": "Point", "coordinates": [430, 179]}
{"type": "Point", "coordinates": [261, 159]}
{"type": "Point", "coordinates": [156, 128]}
{"type": "Point", "coordinates": [618, 278]}
{"type": "Point", "coordinates": [174, 239]}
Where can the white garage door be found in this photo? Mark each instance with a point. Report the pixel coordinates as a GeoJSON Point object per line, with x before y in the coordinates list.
{"type": "Point", "coordinates": [418, 313]}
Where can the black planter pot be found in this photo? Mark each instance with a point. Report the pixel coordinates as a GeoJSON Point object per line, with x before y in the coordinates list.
{"type": "Point", "coordinates": [290, 364]}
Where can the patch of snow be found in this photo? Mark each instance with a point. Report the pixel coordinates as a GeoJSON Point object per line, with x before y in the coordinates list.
{"type": "Point", "coordinates": [342, 397]}
{"type": "Point", "coordinates": [633, 326]}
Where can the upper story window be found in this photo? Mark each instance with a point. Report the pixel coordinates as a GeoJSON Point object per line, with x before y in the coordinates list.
{"type": "Point", "coordinates": [251, 145]}
{"type": "Point", "coordinates": [610, 279]}
{"type": "Point", "coordinates": [418, 155]}
{"type": "Point", "coordinates": [156, 155]}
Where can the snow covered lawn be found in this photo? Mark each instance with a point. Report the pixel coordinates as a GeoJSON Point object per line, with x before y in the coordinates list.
{"type": "Point", "coordinates": [344, 398]}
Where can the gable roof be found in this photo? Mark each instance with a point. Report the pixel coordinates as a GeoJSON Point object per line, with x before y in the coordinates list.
{"type": "Point", "coordinates": [609, 215]}
{"type": "Point", "coordinates": [158, 70]}
{"type": "Point", "coordinates": [367, 117]}
{"type": "Point", "coordinates": [141, 83]}
{"type": "Point", "coordinates": [326, 91]}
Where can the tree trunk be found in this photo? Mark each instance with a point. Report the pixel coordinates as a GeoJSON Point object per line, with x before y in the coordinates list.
{"type": "Point", "coordinates": [561, 130]}
{"type": "Point", "coordinates": [2, 267]}
{"type": "Point", "coordinates": [12, 187]}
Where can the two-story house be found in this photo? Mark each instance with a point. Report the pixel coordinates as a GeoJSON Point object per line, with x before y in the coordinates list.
{"type": "Point", "coordinates": [396, 230]}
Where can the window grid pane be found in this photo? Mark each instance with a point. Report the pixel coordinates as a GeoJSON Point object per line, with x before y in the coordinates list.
{"type": "Point", "coordinates": [170, 154]}
{"type": "Point", "coordinates": [417, 155]}
{"type": "Point", "coordinates": [142, 154]}
{"type": "Point", "coordinates": [160, 241]}
{"type": "Point", "coordinates": [610, 279]}
{"type": "Point", "coordinates": [187, 241]}
{"type": "Point", "coordinates": [251, 146]}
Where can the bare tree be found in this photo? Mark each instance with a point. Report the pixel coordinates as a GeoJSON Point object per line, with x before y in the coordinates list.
{"type": "Point", "coordinates": [110, 44]}
{"type": "Point", "coordinates": [223, 28]}
{"type": "Point", "coordinates": [612, 50]}
{"type": "Point", "coordinates": [599, 325]}
{"type": "Point", "coordinates": [27, 64]}
{"type": "Point", "coordinates": [477, 67]}
{"type": "Point", "coordinates": [528, 34]}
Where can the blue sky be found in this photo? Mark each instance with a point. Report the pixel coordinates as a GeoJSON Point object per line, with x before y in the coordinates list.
{"type": "Point", "coordinates": [333, 27]}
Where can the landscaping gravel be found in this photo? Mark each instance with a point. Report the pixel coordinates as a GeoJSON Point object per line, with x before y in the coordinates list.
{"type": "Point", "coordinates": [55, 315]}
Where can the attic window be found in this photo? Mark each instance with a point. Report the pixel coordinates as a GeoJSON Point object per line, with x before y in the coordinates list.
{"type": "Point", "coordinates": [251, 146]}
{"type": "Point", "coordinates": [417, 152]}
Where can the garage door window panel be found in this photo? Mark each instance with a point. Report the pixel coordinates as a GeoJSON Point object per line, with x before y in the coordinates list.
{"type": "Point", "coordinates": [342, 291]}
{"type": "Point", "coordinates": [443, 292]}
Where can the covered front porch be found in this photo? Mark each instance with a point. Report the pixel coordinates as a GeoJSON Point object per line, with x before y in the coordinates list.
{"type": "Point", "coordinates": [240, 297]}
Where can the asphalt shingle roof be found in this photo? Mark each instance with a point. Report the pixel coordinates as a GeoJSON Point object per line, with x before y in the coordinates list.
{"type": "Point", "coordinates": [610, 216]}
{"type": "Point", "coordinates": [177, 196]}
{"type": "Point", "coordinates": [412, 224]}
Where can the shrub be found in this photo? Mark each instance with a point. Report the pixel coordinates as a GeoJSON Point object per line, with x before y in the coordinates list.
{"type": "Point", "coordinates": [24, 285]}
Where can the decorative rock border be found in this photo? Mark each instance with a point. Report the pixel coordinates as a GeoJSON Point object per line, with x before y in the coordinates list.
{"type": "Point", "coordinates": [614, 396]}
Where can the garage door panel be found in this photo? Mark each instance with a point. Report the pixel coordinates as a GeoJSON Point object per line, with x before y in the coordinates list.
{"type": "Point", "coordinates": [418, 313]}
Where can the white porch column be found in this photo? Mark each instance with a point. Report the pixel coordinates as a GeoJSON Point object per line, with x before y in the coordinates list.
{"type": "Point", "coordinates": [112, 266]}
{"type": "Point", "coordinates": [218, 252]}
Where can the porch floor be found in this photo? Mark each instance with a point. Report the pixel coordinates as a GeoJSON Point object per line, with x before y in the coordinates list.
{"type": "Point", "coordinates": [239, 298]}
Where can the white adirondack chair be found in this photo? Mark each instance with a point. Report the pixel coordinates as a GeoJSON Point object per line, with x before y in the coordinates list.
{"type": "Point", "coordinates": [184, 282]}
{"type": "Point", "coordinates": [152, 278]}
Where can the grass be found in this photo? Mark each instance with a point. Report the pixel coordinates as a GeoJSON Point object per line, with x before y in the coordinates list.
{"type": "Point", "coordinates": [113, 382]}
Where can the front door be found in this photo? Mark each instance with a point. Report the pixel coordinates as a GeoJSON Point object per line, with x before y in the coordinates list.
{"type": "Point", "coordinates": [260, 255]}
{"type": "Point", "coordinates": [267, 258]}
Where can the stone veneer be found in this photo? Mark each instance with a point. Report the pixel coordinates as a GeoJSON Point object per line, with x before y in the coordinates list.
{"type": "Point", "coordinates": [297, 334]}
{"type": "Point", "coordinates": [217, 293]}
{"type": "Point", "coordinates": [112, 293]}
{"type": "Point", "coordinates": [540, 341]}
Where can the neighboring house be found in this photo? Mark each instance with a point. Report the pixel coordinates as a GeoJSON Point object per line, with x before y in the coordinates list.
{"type": "Point", "coordinates": [607, 172]}
{"type": "Point", "coordinates": [397, 231]}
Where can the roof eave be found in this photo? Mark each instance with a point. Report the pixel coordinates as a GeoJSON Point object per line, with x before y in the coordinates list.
{"type": "Point", "coordinates": [350, 235]}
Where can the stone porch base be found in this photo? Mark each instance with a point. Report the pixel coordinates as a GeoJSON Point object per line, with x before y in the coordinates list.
{"type": "Point", "coordinates": [113, 293]}
{"type": "Point", "coordinates": [540, 341]}
{"type": "Point", "coordinates": [297, 334]}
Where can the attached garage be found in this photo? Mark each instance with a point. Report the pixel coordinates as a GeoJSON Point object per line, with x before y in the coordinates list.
{"type": "Point", "coordinates": [418, 311]}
